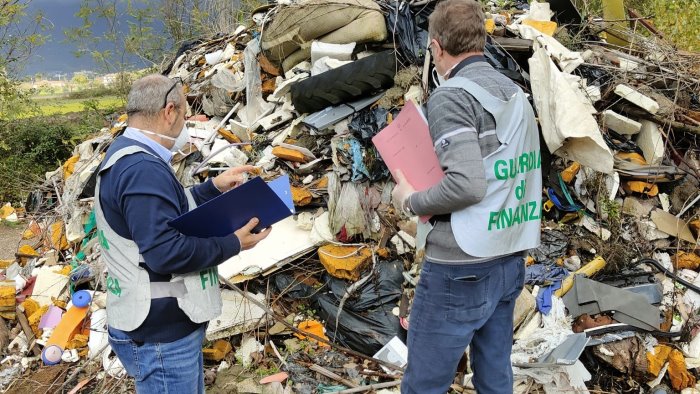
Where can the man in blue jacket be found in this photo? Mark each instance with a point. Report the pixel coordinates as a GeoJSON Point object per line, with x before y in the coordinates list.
{"type": "Point", "coordinates": [162, 286]}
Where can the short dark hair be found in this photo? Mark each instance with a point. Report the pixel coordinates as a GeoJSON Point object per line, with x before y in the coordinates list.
{"type": "Point", "coordinates": [458, 25]}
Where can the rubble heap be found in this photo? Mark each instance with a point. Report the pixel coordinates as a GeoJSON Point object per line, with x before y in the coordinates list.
{"type": "Point", "coordinates": [612, 294]}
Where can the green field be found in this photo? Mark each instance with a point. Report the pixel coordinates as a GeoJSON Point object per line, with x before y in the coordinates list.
{"type": "Point", "coordinates": [60, 106]}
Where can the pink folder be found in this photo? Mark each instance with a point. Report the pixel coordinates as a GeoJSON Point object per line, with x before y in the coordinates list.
{"type": "Point", "coordinates": [406, 145]}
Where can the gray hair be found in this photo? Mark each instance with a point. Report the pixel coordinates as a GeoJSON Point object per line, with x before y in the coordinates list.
{"type": "Point", "coordinates": [147, 95]}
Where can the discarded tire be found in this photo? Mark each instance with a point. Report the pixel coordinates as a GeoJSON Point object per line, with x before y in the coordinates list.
{"type": "Point", "coordinates": [345, 83]}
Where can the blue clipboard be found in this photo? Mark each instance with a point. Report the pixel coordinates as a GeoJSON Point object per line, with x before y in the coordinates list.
{"type": "Point", "coordinates": [222, 215]}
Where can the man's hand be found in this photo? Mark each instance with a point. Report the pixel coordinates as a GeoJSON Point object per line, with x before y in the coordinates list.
{"type": "Point", "coordinates": [402, 191]}
{"type": "Point", "coordinates": [231, 178]}
{"type": "Point", "coordinates": [247, 238]}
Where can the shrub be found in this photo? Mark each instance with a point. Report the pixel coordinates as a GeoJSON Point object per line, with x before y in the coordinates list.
{"type": "Point", "coordinates": [30, 147]}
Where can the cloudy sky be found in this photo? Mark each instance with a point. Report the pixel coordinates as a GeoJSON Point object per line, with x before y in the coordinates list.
{"type": "Point", "coordinates": [57, 55]}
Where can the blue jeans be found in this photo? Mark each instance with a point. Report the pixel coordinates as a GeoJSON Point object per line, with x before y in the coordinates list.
{"type": "Point", "coordinates": [460, 305]}
{"type": "Point", "coordinates": [160, 368]}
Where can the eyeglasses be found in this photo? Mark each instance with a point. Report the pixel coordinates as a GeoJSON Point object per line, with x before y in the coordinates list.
{"type": "Point", "coordinates": [165, 100]}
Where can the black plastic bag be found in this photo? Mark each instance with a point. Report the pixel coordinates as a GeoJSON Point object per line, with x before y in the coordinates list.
{"type": "Point", "coordinates": [619, 142]}
{"type": "Point", "coordinates": [411, 40]}
{"type": "Point", "coordinates": [553, 245]}
{"type": "Point", "coordinates": [366, 322]}
{"type": "Point", "coordinates": [368, 122]}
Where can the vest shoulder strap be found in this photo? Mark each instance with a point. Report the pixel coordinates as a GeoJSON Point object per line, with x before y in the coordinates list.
{"type": "Point", "coordinates": [491, 103]}
{"type": "Point", "coordinates": [126, 151]}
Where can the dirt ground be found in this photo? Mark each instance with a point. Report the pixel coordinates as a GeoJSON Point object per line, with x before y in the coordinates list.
{"type": "Point", "coordinates": [10, 236]}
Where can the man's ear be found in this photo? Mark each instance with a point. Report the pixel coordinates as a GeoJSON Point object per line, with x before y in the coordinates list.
{"type": "Point", "coordinates": [170, 113]}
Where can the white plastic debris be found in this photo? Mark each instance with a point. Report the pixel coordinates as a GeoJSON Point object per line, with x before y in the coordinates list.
{"type": "Point", "coordinates": [70, 356]}
{"type": "Point", "coordinates": [651, 142]}
{"type": "Point", "coordinates": [111, 364]}
{"type": "Point", "coordinates": [637, 98]}
{"type": "Point", "coordinates": [591, 225]}
{"type": "Point", "coordinates": [325, 64]}
{"type": "Point", "coordinates": [19, 344]}
{"type": "Point", "coordinates": [249, 345]}
{"type": "Point", "coordinates": [394, 352]}
{"type": "Point", "coordinates": [238, 315]}
{"type": "Point", "coordinates": [620, 123]}
{"type": "Point", "coordinates": [540, 12]}
{"type": "Point", "coordinates": [333, 51]}
{"type": "Point", "coordinates": [568, 127]}
{"type": "Point", "coordinates": [98, 333]}
{"type": "Point", "coordinates": [214, 58]}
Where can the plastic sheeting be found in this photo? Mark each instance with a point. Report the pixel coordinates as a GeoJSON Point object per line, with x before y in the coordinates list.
{"type": "Point", "coordinates": [568, 127]}
{"type": "Point", "coordinates": [410, 39]}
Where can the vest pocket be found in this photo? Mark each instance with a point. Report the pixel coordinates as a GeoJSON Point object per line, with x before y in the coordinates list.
{"type": "Point", "coordinates": [467, 297]}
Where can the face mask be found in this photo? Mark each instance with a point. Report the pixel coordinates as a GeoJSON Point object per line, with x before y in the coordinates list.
{"type": "Point", "coordinates": [440, 79]}
{"type": "Point", "coordinates": [180, 141]}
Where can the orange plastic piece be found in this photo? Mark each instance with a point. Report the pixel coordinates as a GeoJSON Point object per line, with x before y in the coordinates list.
{"type": "Point", "coordinates": [690, 261]}
{"type": "Point", "coordinates": [529, 260]}
{"type": "Point", "coordinates": [490, 25]}
{"type": "Point", "coordinates": [695, 227]}
{"type": "Point", "coordinates": [32, 230]}
{"type": "Point", "coordinates": [289, 154]}
{"type": "Point", "coordinates": [6, 210]}
{"type": "Point", "coordinates": [301, 196]}
{"type": "Point", "coordinates": [383, 253]}
{"type": "Point", "coordinates": [69, 325]}
{"type": "Point", "coordinates": [680, 377]}
{"type": "Point", "coordinates": [649, 189]}
{"type": "Point", "coordinates": [570, 172]}
{"type": "Point", "coordinates": [658, 359]}
{"type": "Point", "coordinates": [79, 341]}
{"type": "Point", "coordinates": [268, 86]}
{"type": "Point", "coordinates": [69, 166]}
{"type": "Point", "coordinates": [218, 351]}
{"type": "Point", "coordinates": [312, 327]}
{"type": "Point", "coordinates": [229, 136]}
{"type": "Point", "coordinates": [58, 236]}
{"type": "Point", "coordinates": [28, 250]}
{"type": "Point", "coordinates": [321, 183]}
{"type": "Point", "coordinates": [35, 317]}
{"type": "Point", "coordinates": [7, 295]}
{"type": "Point", "coordinates": [632, 158]}
{"type": "Point", "coordinates": [546, 27]}
{"type": "Point", "coordinates": [65, 270]}
{"type": "Point", "coordinates": [344, 262]}
{"type": "Point", "coordinates": [30, 306]}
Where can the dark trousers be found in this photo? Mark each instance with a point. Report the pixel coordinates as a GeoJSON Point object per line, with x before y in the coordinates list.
{"type": "Point", "coordinates": [456, 306]}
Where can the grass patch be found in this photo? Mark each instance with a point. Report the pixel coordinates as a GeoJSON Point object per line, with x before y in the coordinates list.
{"type": "Point", "coordinates": [62, 105]}
{"type": "Point", "coordinates": [66, 106]}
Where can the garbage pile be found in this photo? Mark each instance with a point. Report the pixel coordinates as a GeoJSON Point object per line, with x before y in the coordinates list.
{"type": "Point", "coordinates": [612, 293]}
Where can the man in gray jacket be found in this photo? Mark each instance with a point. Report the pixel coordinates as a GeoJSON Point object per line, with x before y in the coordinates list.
{"type": "Point", "coordinates": [485, 211]}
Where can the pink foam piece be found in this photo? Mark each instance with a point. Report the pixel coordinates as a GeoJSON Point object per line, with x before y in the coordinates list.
{"type": "Point", "coordinates": [51, 318]}
{"type": "Point", "coordinates": [278, 377]}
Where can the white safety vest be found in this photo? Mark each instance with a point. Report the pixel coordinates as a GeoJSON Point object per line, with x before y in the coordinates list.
{"type": "Point", "coordinates": [507, 219]}
{"type": "Point", "coordinates": [129, 289]}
